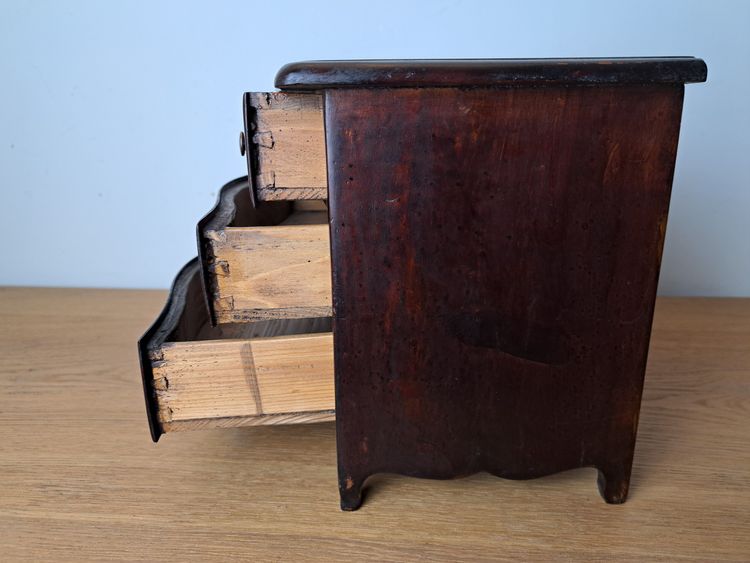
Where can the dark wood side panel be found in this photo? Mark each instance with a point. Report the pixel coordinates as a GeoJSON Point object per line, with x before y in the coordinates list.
{"type": "Point", "coordinates": [495, 259]}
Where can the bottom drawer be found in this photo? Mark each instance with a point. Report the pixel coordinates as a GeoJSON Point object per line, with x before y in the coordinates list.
{"type": "Point", "coordinates": [277, 371]}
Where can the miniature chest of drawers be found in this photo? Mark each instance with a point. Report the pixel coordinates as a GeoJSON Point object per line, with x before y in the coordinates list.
{"type": "Point", "coordinates": [495, 232]}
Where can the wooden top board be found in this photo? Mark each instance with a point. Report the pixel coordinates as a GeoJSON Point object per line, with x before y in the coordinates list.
{"type": "Point", "coordinates": [317, 75]}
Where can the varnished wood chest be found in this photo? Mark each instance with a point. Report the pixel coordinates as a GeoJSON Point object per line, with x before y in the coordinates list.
{"type": "Point", "coordinates": [458, 258]}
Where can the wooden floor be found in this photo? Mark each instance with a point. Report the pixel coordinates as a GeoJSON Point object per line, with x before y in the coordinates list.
{"type": "Point", "coordinates": [81, 480]}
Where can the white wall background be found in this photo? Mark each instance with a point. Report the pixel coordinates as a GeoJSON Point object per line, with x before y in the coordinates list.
{"type": "Point", "coordinates": [119, 120]}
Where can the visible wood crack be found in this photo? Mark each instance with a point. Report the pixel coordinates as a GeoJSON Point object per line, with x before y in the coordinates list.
{"type": "Point", "coordinates": [251, 376]}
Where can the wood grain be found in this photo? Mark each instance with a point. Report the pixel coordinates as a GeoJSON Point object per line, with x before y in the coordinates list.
{"type": "Point", "coordinates": [200, 375]}
{"type": "Point", "coordinates": [466, 73]}
{"type": "Point", "coordinates": [236, 271]}
{"type": "Point", "coordinates": [307, 212]}
{"type": "Point", "coordinates": [289, 141]}
{"type": "Point", "coordinates": [214, 379]}
{"type": "Point", "coordinates": [541, 327]}
{"type": "Point", "coordinates": [272, 272]}
{"type": "Point", "coordinates": [80, 479]}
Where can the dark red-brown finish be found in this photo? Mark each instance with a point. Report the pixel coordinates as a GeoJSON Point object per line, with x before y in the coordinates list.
{"type": "Point", "coordinates": [495, 259]}
{"type": "Point", "coordinates": [316, 75]}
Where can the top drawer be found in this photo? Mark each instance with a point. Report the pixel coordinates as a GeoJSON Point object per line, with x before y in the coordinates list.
{"type": "Point", "coordinates": [284, 139]}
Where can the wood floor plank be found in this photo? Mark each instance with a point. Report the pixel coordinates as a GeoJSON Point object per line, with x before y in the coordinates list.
{"type": "Point", "coordinates": [80, 479]}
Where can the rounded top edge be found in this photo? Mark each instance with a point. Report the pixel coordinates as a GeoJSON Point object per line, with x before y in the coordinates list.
{"type": "Point", "coordinates": [320, 75]}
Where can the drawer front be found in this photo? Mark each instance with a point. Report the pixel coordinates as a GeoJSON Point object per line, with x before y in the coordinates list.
{"type": "Point", "coordinates": [285, 139]}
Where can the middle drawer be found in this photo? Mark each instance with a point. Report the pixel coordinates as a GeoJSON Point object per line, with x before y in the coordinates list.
{"type": "Point", "coordinates": [267, 263]}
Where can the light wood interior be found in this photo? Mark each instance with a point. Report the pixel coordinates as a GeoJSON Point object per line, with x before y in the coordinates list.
{"type": "Point", "coordinates": [290, 142]}
{"type": "Point", "coordinates": [250, 381]}
{"type": "Point", "coordinates": [272, 272]}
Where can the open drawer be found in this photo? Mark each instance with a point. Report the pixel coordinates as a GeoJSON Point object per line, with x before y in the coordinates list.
{"type": "Point", "coordinates": [195, 375]}
{"type": "Point", "coordinates": [284, 141]}
{"type": "Point", "coordinates": [270, 262]}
